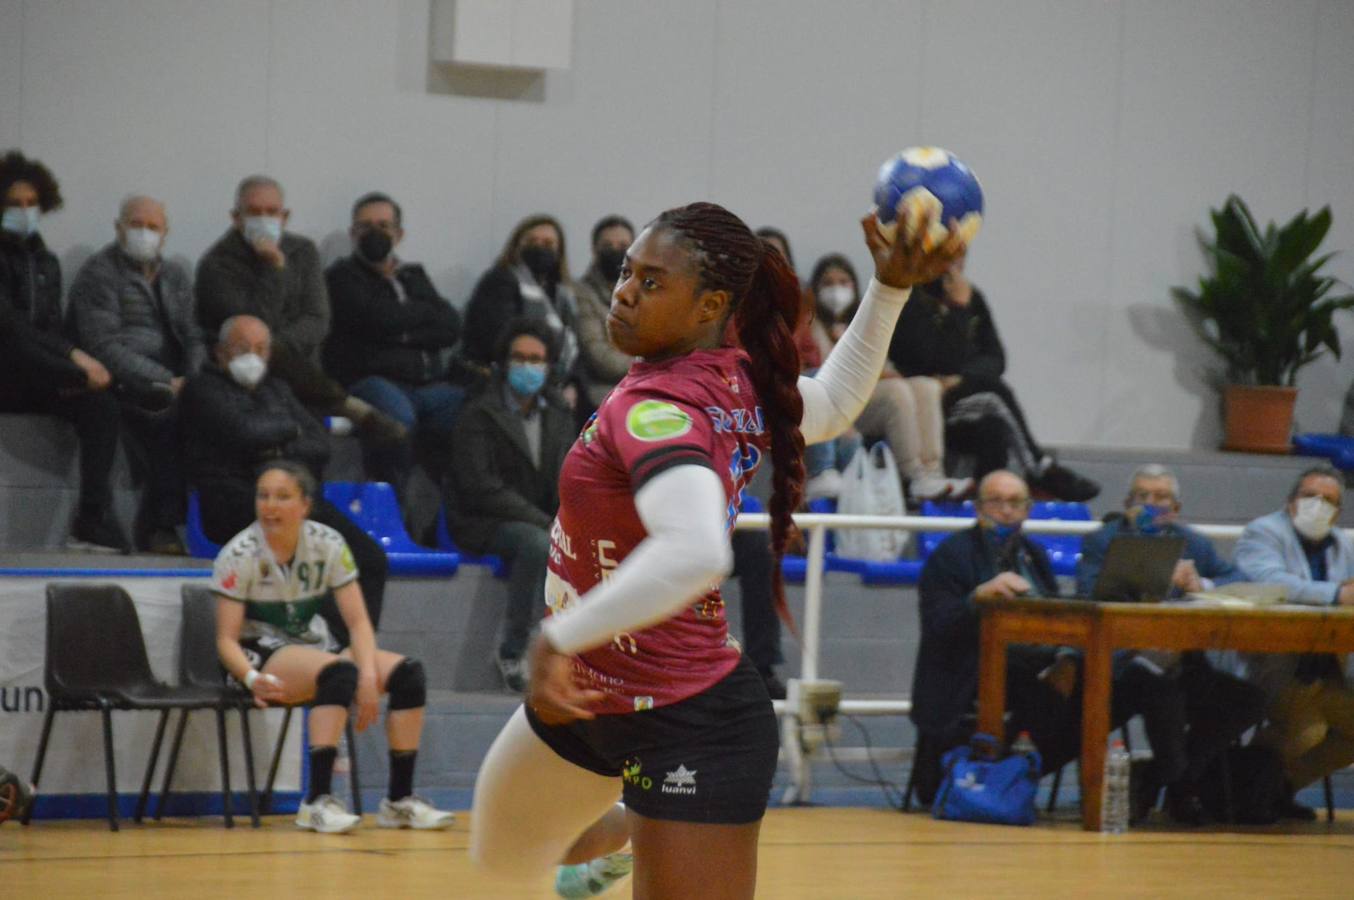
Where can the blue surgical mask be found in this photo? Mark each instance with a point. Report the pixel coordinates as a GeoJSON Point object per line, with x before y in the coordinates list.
{"type": "Point", "coordinates": [1145, 518]}
{"type": "Point", "coordinates": [20, 220]}
{"type": "Point", "coordinates": [526, 379]}
{"type": "Point", "coordinates": [1001, 533]}
{"type": "Point", "coordinates": [262, 227]}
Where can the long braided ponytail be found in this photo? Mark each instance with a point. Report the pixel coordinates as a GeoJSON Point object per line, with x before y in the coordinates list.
{"type": "Point", "coordinates": [766, 309]}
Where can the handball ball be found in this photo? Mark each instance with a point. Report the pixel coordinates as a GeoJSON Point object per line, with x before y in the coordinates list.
{"type": "Point", "coordinates": [928, 178]}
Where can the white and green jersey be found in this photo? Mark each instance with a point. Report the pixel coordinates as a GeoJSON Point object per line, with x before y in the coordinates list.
{"type": "Point", "coordinates": [284, 598]}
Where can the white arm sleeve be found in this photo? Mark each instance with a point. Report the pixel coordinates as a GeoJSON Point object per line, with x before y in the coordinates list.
{"type": "Point", "coordinates": [687, 550]}
{"type": "Point", "coordinates": [836, 395]}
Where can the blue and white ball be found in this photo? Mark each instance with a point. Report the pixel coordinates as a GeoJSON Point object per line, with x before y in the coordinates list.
{"type": "Point", "coordinates": [921, 179]}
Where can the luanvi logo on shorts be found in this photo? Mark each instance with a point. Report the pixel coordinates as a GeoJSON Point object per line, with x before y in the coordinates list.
{"type": "Point", "coordinates": [656, 420]}
{"type": "Point", "coordinates": [681, 781]}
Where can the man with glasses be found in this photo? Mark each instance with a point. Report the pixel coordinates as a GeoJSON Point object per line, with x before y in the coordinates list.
{"type": "Point", "coordinates": [1191, 711]}
{"type": "Point", "coordinates": [991, 560]}
{"type": "Point", "coordinates": [391, 339]}
{"type": "Point", "coordinates": [1309, 702]}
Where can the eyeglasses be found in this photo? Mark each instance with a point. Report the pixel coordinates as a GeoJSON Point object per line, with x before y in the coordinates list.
{"type": "Point", "coordinates": [1004, 502]}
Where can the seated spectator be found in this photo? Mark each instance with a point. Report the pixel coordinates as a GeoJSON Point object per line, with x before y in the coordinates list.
{"type": "Point", "coordinates": [273, 642]}
{"type": "Point", "coordinates": [1309, 703]}
{"type": "Point", "coordinates": [392, 338]}
{"type": "Point", "coordinates": [993, 559]}
{"type": "Point", "coordinates": [41, 370]}
{"type": "Point", "coordinates": [503, 492]}
{"type": "Point", "coordinates": [601, 365]}
{"type": "Point", "coordinates": [133, 309]}
{"type": "Point", "coordinates": [905, 412]}
{"type": "Point", "coordinates": [237, 416]}
{"type": "Point", "coordinates": [257, 269]}
{"type": "Point", "coordinates": [946, 331]}
{"type": "Point", "coordinates": [810, 352]}
{"type": "Point", "coordinates": [1191, 711]}
{"type": "Point", "coordinates": [529, 278]}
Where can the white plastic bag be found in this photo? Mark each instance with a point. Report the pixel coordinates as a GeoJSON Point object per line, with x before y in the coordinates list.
{"type": "Point", "coordinates": [870, 487]}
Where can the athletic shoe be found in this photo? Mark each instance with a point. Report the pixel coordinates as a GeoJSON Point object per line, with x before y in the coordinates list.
{"type": "Point", "coordinates": [97, 535]}
{"type": "Point", "coordinates": [929, 487]}
{"type": "Point", "coordinates": [413, 812]}
{"type": "Point", "coordinates": [1063, 484]}
{"type": "Point", "coordinates": [594, 877]}
{"type": "Point", "coordinates": [327, 815]}
{"type": "Point", "coordinates": [149, 396]}
{"type": "Point", "coordinates": [827, 484]}
{"type": "Point", "coordinates": [514, 672]}
{"type": "Point", "coordinates": [960, 488]}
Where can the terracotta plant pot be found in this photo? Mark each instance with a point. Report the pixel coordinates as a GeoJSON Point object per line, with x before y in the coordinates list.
{"type": "Point", "coordinates": [1259, 418]}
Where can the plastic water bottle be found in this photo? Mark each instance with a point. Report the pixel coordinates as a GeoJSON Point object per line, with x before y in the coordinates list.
{"type": "Point", "coordinates": [342, 770]}
{"type": "Point", "coordinates": [1114, 804]}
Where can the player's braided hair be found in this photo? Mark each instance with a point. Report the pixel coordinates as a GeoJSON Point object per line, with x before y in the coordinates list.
{"type": "Point", "coordinates": [765, 311]}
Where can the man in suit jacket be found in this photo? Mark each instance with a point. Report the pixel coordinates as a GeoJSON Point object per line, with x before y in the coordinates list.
{"type": "Point", "coordinates": [1310, 703]}
{"type": "Point", "coordinates": [503, 485]}
{"type": "Point", "coordinates": [993, 559]}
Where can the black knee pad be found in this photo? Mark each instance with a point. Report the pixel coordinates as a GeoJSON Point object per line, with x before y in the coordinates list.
{"type": "Point", "coordinates": [336, 685]}
{"type": "Point", "coordinates": [407, 685]}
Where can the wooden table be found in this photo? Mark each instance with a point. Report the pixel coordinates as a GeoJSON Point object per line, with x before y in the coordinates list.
{"type": "Point", "coordinates": [1101, 628]}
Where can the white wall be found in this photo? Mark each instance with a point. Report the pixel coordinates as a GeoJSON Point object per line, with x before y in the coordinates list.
{"type": "Point", "coordinates": [1103, 132]}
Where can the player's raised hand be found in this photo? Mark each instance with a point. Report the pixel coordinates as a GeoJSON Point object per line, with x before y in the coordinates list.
{"type": "Point", "coordinates": [906, 261]}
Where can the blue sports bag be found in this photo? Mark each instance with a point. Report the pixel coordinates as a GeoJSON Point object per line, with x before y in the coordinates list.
{"type": "Point", "coordinates": [978, 787]}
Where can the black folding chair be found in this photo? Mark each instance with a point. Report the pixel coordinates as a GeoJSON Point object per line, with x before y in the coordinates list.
{"type": "Point", "coordinates": [96, 661]}
{"type": "Point", "coordinates": [200, 668]}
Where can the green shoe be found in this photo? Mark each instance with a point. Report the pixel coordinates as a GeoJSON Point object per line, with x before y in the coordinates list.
{"type": "Point", "coordinates": [594, 877]}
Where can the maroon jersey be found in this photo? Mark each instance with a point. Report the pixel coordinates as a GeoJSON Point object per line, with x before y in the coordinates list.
{"type": "Point", "coordinates": [697, 409]}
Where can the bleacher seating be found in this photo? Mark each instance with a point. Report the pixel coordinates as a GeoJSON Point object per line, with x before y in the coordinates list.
{"type": "Point", "coordinates": [445, 542]}
{"type": "Point", "coordinates": [376, 510]}
{"type": "Point", "coordinates": [199, 545]}
{"type": "Point", "coordinates": [1334, 447]}
{"type": "Point", "coordinates": [1064, 550]}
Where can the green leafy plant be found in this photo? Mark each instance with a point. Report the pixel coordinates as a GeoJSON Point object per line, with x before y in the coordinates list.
{"type": "Point", "coordinates": [1266, 308]}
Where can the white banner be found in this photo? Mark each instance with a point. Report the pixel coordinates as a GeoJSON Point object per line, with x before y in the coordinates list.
{"type": "Point", "coordinates": [74, 763]}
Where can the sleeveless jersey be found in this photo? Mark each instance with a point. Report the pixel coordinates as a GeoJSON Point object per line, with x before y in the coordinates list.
{"type": "Point", "coordinates": [284, 600]}
{"type": "Point", "coordinates": [697, 409]}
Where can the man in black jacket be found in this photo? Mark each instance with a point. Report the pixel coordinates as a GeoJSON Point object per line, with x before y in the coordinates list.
{"type": "Point", "coordinates": [236, 417]}
{"type": "Point", "coordinates": [503, 489]}
{"type": "Point", "coordinates": [41, 371]}
{"type": "Point", "coordinates": [391, 339]}
{"type": "Point", "coordinates": [993, 559]}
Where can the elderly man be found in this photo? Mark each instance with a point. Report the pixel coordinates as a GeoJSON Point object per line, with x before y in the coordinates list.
{"type": "Point", "coordinates": [1191, 711]}
{"type": "Point", "coordinates": [133, 309]}
{"type": "Point", "coordinates": [237, 416]}
{"type": "Point", "coordinates": [258, 269]}
{"type": "Point", "coordinates": [392, 338]}
{"type": "Point", "coordinates": [991, 560]}
{"type": "Point", "coordinates": [1310, 703]}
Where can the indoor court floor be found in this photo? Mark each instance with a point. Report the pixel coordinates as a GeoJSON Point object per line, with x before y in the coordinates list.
{"type": "Point", "coordinates": [822, 852]}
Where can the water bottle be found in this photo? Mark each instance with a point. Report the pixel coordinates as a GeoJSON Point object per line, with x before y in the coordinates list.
{"type": "Point", "coordinates": [342, 769]}
{"type": "Point", "coordinates": [1114, 804]}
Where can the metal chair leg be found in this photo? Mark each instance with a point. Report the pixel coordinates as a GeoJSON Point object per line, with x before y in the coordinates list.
{"type": "Point", "coordinates": [42, 755]}
{"type": "Point", "coordinates": [1057, 785]}
{"type": "Point", "coordinates": [266, 803]}
{"type": "Point", "coordinates": [249, 767]}
{"type": "Point", "coordinates": [150, 767]}
{"type": "Point", "coordinates": [110, 769]}
{"type": "Point", "coordinates": [1330, 799]}
{"type": "Point", "coordinates": [225, 766]}
{"type": "Point", "coordinates": [171, 765]}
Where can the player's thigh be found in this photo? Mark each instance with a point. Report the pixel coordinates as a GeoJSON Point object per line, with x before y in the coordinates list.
{"type": "Point", "coordinates": [298, 668]}
{"type": "Point", "coordinates": [665, 849]}
{"type": "Point", "coordinates": [531, 804]}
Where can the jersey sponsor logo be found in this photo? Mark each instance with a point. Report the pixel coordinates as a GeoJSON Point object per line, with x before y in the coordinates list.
{"type": "Point", "coordinates": [589, 433]}
{"type": "Point", "coordinates": [631, 773]}
{"type": "Point", "coordinates": [349, 564]}
{"type": "Point", "coordinates": [656, 420]}
{"type": "Point", "coordinates": [230, 581]}
{"type": "Point", "coordinates": [560, 539]}
{"type": "Point", "coordinates": [737, 421]}
{"type": "Point", "coordinates": [643, 703]}
{"type": "Point", "coordinates": [680, 781]}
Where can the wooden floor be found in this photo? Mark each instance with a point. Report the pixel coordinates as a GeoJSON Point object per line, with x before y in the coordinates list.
{"type": "Point", "coordinates": [842, 854]}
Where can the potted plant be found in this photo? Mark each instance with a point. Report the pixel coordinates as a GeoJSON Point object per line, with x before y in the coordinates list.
{"type": "Point", "coordinates": [1268, 310]}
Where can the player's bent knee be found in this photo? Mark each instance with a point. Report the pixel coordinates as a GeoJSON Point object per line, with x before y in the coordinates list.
{"type": "Point", "coordinates": [407, 685]}
{"type": "Point", "coordinates": [336, 685]}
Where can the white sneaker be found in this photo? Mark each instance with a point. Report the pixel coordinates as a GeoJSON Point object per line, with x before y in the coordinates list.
{"type": "Point", "coordinates": [929, 487]}
{"type": "Point", "coordinates": [827, 483]}
{"type": "Point", "coordinates": [593, 877]}
{"type": "Point", "coordinates": [413, 812]}
{"type": "Point", "coordinates": [960, 487]}
{"type": "Point", "coordinates": [326, 815]}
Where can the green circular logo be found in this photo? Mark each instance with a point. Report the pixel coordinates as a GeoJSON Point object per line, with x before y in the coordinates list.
{"type": "Point", "coordinates": [655, 420]}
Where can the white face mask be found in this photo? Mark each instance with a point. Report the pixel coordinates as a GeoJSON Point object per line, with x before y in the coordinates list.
{"type": "Point", "coordinates": [1314, 517]}
{"type": "Point", "coordinates": [262, 227]}
{"type": "Point", "coordinates": [20, 220]}
{"type": "Point", "coordinates": [142, 244]}
{"type": "Point", "coordinates": [248, 370]}
{"type": "Point", "coordinates": [837, 297]}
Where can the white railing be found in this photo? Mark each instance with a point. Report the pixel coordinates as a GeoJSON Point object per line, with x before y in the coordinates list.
{"type": "Point", "coordinates": [799, 752]}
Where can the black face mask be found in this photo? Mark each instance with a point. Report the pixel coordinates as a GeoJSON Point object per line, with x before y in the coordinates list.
{"type": "Point", "coordinates": [374, 246]}
{"type": "Point", "coordinates": [542, 261]}
{"type": "Point", "coordinates": [609, 262]}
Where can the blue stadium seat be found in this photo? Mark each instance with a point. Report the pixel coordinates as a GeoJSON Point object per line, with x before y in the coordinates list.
{"type": "Point", "coordinates": [199, 545]}
{"type": "Point", "coordinates": [375, 509]}
{"type": "Point", "coordinates": [1334, 447]}
{"type": "Point", "coordinates": [1063, 549]}
{"type": "Point", "coordinates": [495, 563]}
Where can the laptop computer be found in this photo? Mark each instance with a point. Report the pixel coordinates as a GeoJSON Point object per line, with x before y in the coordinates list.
{"type": "Point", "coordinates": [1138, 568]}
